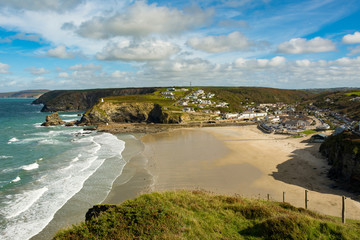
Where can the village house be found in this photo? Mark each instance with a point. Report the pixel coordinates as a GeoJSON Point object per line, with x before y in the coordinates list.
{"type": "Point", "coordinates": [221, 104]}
{"type": "Point", "coordinates": [206, 111]}
{"type": "Point", "coordinates": [199, 92]}
{"type": "Point", "coordinates": [188, 109]}
{"type": "Point", "coordinates": [167, 93]}
{"type": "Point", "coordinates": [251, 115]}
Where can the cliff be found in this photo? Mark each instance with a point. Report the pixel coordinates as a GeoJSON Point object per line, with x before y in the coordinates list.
{"type": "Point", "coordinates": [24, 94]}
{"type": "Point", "coordinates": [82, 100]}
{"type": "Point", "coordinates": [343, 153]}
{"type": "Point", "coordinates": [53, 120]}
{"type": "Point", "coordinates": [125, 112]}
{"type": "Point", "coordinates": [199, 215]}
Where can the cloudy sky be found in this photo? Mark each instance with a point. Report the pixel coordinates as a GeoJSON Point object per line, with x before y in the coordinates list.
{"type": "Point", "coordinates": [77, 44]}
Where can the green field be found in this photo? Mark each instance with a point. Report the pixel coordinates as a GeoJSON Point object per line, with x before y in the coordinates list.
{"type": "Point", "coordinates": [353, 94]}
{"type": "Point", "coordinates": [200, 215]}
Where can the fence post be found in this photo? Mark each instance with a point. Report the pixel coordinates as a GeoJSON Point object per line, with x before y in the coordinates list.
{"type": "Point", "coordinates": [343, 209]}
{"type": "Point", "coordinates": [283, 196]}
{"type": "Point", "coordinates": [306, 199]}
{"type": "Point", "coordinates": [268, 197]}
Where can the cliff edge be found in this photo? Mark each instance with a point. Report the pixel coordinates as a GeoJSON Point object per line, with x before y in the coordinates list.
{"type": "Point", "coordinates": [82, 100]}
{"type": "Point", "coordinates": [125, 112]}
{"type": "Point", "coordinates": [343, 153]}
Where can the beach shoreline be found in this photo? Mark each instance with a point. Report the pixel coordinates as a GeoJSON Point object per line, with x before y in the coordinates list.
{"type": "Point", "coordinates": [241, 161]}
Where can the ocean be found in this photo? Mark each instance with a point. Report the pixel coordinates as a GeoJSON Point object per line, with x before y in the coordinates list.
{"type": "Point", "coordinates": [43, 168]}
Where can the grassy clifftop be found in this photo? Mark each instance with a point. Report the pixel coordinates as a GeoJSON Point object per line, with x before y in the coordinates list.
{"type": "Point", "coordinates": [199, 215]}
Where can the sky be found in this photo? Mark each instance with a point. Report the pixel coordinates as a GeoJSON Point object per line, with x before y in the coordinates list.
{"type": "Point", "coordinates": [83, 44]}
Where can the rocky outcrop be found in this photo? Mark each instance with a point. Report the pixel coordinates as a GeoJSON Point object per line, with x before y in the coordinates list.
{"type": "Point", "coordinates": [96, 210]}
{"type": "Point", "coordinates": [82, 100]}
{"type": "Point", "coordinates": [53, 120]}
{"type": "Point", "coordinates": [107, 112]}
{"type": "Point", "coordinates": [343, 153]}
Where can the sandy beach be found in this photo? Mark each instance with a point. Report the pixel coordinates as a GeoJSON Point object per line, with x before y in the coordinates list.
{"type": "Point", "coordinates": [236, 160]}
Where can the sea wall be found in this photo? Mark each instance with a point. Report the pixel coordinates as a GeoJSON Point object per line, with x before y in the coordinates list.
{"type": "Point", "coordinates": [343, 153]}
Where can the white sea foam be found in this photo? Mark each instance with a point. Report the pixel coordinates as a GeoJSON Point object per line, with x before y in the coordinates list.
{"type": "Point", "coordinates": [37, 125]}
{"type": "Point", "coordinates": [12, 140]}
{"type": "Point", "coordinates": [68, 115]}
{"type": "Point", "coordinates": [23, 202]}
{"type": "Point", "coordinates": [16, 179]}
{"type": "Point", "coordinates": [5, 157]}
{"type": "Point", "coordinates": [49, 141]}
{"type": "Point", "coordinates": [30, 166]}
{"type": "Point", "coordinates": [59, 185]}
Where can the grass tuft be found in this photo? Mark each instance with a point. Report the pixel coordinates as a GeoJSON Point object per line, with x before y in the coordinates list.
{"type": "Point", "coordinates": [202, 215]}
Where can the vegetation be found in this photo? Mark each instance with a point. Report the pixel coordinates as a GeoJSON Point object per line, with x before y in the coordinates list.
{"type": "Point", "coordinates": [340, 102]}
{"type": "Point", "coordinates": [199, 215]}
{"type": "Point", "coordinates": [237, 97]}
{"type": "Point", "coordinates": [352, 94]}
{"type": "Point", "coordinates": [309, 132]}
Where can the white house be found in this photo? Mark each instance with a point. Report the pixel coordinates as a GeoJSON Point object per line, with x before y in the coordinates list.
{"type": "Point", "coordinates": [188, 109]}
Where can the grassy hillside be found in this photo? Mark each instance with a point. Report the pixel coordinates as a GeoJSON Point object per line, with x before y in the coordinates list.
{"type": "Point", "coordinates": [81, 100]}
{"type": "Point", "coordinates": [239, 96]}
{"type": "Point", "coordinates": [340, 102]}
{"type": "Point", "coordinates": [199, 215]}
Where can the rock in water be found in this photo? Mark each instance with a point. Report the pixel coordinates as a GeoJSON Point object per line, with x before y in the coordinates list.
{"type": "Point", "coordinates": [53, 120]}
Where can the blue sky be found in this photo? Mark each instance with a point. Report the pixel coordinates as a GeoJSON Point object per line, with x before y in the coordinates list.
{"type": "Point", "coordinates": [78, 44]}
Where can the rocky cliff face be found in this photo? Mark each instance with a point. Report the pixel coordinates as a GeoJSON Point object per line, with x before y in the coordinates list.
{"type": "Point", "coordinates": [343, 153]}
{"type": "Point", "coordinates": [53, 120]}
{"type": "Point", "coordinates": [107, 112]}
{"type": "Point", "coordinates": [82, 100]}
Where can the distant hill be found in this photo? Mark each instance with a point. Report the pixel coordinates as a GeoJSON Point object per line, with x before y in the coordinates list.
{"type": "Point", "coordinates": [321, 90]}
{"type": "Point", "coordinates": [343, 102]}
{"type": "Point", "coordinates": [239, 96]}
{"type": "Point", "coordinates": [24, 94]}
{"type": "Point", "coordinates": [75, 100]}
{"type": "Point", "coordinates": [81, 100]}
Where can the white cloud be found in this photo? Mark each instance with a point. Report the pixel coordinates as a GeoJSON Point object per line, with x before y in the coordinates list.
{"type": "Point", "coordinates": [138, 51]}
{"type": "Point", "coordinates": [301, 45]}
{"type": "Point", "coordinates": [41, 5]}
{"type": "Point", "coordinates": [37, 71]}
{"type": "Point", "coordinates": [39, 79]}
{"type": "Point", "coordinates": [88, 67]}
{"type": "Point", "coordinates": [277, 61]}
{"type": "Point", "coordinates": [354, 51]}
{"type": "Point", "coordinates": [22, 36]}
{"type": "Point", "coordinates": [118, 74]}
{"type": "Point", "coordinates": [235, 41]}
{"type": "Point", "coordinates": [4, 68]}
{"type": "Point", "coordinates": [141, 19]}
{"type": "Point", "coordinates": [275, 72]}
{"type": "Point", "coordinates": [63, 75]}
{"type": "Point", "coordinates": [351, 38]}
{"type": "Point", "coordinates": [60, 52]}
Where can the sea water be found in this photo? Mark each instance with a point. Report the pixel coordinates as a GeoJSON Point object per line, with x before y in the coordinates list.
{"type": "Point", "coordinates": [42, 168]}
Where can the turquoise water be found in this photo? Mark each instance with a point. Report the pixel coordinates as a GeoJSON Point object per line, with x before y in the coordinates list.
{"type": "Point", "coordinates": [41, 168]}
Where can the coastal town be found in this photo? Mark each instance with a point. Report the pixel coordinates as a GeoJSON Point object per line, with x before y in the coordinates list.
{"type": "Point", "coordinates": [277, 118]}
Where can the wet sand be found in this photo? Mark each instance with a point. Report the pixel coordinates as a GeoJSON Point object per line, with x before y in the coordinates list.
{"type": "Point", "coordinates": [247, 162]}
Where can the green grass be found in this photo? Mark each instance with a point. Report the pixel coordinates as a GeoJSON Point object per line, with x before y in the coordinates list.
{"type": "Point", "coordinates": [309, 132]}
{"type": "Point", "coordinates": [199, 215]}
{"type": "Point", "coordinates": [352, 93]}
